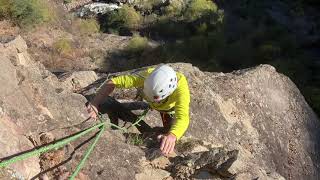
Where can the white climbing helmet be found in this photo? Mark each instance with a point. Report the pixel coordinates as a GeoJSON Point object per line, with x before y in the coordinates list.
{"type": "Point", "coordinates": [160, 83]}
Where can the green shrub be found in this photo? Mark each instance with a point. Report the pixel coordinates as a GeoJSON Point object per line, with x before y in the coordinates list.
{"type": "Point", "coordinates": [202, 28]}
{"type": "Point", "coordinates": [269, 51]}
{"type": "Point", "coordinates": [63, 46]}
{"type": "Point", "coordinates": [198, 8]}
{"type": "Point", "coordinates": [26, 13]}
{"type": "Point", "coordinates": [67, 1]}
{"type": "Point", "coordinates": [147, 5]}
{"type": "Point", "coordinates": [170, 29]}
{"type": "Point", "coordinates": [151, 18]}
{"type": "Point", "coordinates": [135, 139]}
{"type": "Point", "coordinates": [126, 17]}
{"type": "Point", "coordinates": [174, 8]}
{"type": "Point", "coordinates": [88, 26]}
{"type": "Point", "coordinates": [5, 7]}
{"type": "Point", "coordinates": [197, 47]}
{"type": "Point", "coordinates": [137, 45]}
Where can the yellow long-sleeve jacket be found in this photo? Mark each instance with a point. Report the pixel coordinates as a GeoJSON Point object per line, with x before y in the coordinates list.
{"type": "Point", "coordinates": [179, 100]}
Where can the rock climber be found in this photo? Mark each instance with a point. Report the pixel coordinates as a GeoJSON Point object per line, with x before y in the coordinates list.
{"type": "Point", "coordinates": [164, 90]}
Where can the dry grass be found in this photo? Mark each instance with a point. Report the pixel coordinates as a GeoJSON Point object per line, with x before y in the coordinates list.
{"type": "Point", "coordinates": [86, 26]}
{"type": "Point", "coordinates": [63, 46]}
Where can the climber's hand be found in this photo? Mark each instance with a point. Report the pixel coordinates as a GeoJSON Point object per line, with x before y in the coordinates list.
{"type": "Point", "coordinates": [92, 110]}
{"type": "Point", "coordinates": [168, 142]}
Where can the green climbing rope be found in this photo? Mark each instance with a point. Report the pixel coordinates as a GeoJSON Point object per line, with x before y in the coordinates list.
{"type": "Point", "coordinates": [49, 147]}
{"type": "Point", "coordinates": [65, 141]}
{"type": "Point", "coordinates": [100, 117]}
{"type": "Point", "coordinates": [83, 160]}
{"type": "Point", "coordinates": [141, 118]}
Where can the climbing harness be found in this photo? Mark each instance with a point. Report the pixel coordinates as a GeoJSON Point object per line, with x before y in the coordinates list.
{"type": "Point", "coordinates": [62, 142]}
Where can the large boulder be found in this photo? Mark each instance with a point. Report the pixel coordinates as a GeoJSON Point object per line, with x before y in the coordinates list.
{"type": "Point", "coordinates": [257, 112]}
{"type": "Point", "coordinates": [97, 9]}
{"type": "Point", "coordinates": [261, 113]}
{"type": "Point", "coordinates": [31, 102]}
{"type": "Point", "coordinates": [37, 108]}
{"type": "Point", "coordinates": [31, 95]}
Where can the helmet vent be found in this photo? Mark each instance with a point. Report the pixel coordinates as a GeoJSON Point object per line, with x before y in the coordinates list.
{"type": "Point", "coordinates": [169, 85]}
{"type": "Point", "coordinates": [161, 91]}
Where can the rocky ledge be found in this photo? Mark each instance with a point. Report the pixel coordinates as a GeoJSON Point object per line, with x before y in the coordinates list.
{"type": "Point", "coordinates": [248, 124]}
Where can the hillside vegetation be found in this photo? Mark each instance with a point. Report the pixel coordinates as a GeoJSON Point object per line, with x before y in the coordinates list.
{"type": "Point", "coordinates": [26, 13]}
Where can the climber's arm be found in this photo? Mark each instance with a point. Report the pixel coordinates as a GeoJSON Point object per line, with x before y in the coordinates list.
{"type": "Point", "coordinates": [125, 81]}
{"type": "Point", "coordinates": [181, 123]}
{"type": "Point", "coordinates": [104, 91]}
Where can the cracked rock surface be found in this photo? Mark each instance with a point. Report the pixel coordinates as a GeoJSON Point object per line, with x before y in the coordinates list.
{"type": "Point", "coordinates": [256, 115]}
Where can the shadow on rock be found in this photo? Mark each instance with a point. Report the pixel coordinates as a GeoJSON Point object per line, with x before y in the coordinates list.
{"type": "Point", "coordinates": [116, 110]}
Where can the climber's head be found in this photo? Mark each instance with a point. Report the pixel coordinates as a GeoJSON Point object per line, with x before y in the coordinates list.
{"type": "Point", "coordinates": [160, 83]}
